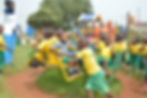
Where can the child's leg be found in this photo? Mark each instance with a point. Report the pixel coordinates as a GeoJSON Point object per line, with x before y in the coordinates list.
{"type": "Point", "coordinates": [137, 61]}
{"type": "Point", "coordinates": [89, 94]}
{"type": "Point", "coordinates": [118, 60]}
{"type": "Point", "coordinates": [145, 68]}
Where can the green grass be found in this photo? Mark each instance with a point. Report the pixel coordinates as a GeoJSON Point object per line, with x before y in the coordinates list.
{"type": "Point", "coordinates": [20, 63]}
{"type": "Point", "coordinates": [4, 93]}
{"type": "Point", "coordinates": [52, 81]}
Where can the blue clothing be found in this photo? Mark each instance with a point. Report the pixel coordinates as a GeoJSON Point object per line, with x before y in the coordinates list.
{"type": "Point", "coordinates": [11, 43]}
{"type": "Point", "coordinates": [30, 31]}
{"type": "Point", "coordinates": [64, 48]}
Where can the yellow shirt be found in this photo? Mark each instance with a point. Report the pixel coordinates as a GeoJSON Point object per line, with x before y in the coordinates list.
{"type": "Point", "coordinates": [2, 42]}
{"type": "Point", "coordinates": [52, 58]}
{"type": "Point", "coordinates": [144, 51]}
{"type": "Point", "coordinates": [135, 49]}
{"type": "Point", "coordinates": [106, 53]}
{"type": "Point", "coordinates": [46, 45]}
{"type": "Point", "coordinates": [39, 54]}
{"type": "Point", "coordinates": [45, 50]}
{"type": "Point", "coordinates": [120, 46]}
{"type": "Point", "coordinates": [101, 45]}
{"type": "Point", "coordinates": [90, 63]}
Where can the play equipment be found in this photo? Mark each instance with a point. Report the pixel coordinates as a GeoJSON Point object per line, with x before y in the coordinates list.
{"type": "Point", "coordinates": [65, 71]}
{"type": "Point", "coordinates": [37, 59]}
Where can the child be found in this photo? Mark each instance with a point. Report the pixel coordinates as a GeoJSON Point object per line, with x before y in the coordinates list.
{"type": "Point", "coordinates": [2, 48]}
{"type": "Point", "coordinates": [65, 50]}
{"type": "Point", "coordinates": [51, 38]}
{"type": "Point", "coordinates": [100, 44]}
{"type": "Point", "coordinates": [64, 45]}
{"type": "Point", "coordinates": [135, 57]}
{"type": "Point", "coordinates": [105, 54]}
{"type": "Point", "coordinates": [48, 39]}
{"type": "Point", "coordinates": [144, 59]}
{"type": "Point", "coordinates": [36, 53]}
{"type": "Point", "coordinates": [96, 76]}
{"type": "Point", "coordinates": [119, 48]}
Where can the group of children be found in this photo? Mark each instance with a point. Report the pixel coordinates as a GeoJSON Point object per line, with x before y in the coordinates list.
{"type": "Point", "coordinates": [95, 56]}
{"type": "Point", "coordinates": [138, 55]}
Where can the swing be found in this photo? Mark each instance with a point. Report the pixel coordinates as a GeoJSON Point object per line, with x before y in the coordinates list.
{"type": "Point", "coordinates": [65, 71]}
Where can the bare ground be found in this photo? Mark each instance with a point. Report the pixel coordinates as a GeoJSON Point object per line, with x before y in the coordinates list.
{"type": "Point", "coordinates": [23, 86]}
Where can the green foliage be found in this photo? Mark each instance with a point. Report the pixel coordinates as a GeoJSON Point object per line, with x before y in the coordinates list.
{"type": "Point", "coordinates": [52, 81]}
{"type": "Point", "coordinates": [59, 13]}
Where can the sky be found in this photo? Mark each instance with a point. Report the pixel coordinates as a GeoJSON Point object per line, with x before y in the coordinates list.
{"type": "Point", "coordinates": [110, 9]}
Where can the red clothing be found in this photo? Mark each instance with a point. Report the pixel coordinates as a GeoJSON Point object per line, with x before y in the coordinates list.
{"type": "Point", "coordinates": [97, 31]}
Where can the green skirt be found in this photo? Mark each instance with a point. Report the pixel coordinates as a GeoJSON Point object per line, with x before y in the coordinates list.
{"type": "Point", "coordinates": [101, 60]}
{"type": "Point", "coordinates": [145, 65]}
{"type": "Point", "coordinates": [136, 60]}
{"type": "Point", "coordinates": [2, 60]}
{"type": "Point", "coordinates": [116, 61]}
{"type": "Point", "coordinates": [98, 83]}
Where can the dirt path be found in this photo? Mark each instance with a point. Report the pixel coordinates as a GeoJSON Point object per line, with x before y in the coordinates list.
{"type": "Point", "coordinates": [131, 87]}
{"type": "Point", "coordinates": [23, 85]}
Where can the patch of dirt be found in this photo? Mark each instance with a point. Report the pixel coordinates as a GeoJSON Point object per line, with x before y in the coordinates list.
{"type": "Point", "coordinates": [131, 88]}
{"type": "Point", "coordinates": [23, 85]}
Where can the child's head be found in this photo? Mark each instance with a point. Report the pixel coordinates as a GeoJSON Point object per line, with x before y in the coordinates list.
{"type": "Point", "coordinates": [82, 43]}
{"type": "Point", "coordinates": [64, 37]}
{"type": "Point", "coordinates": [48, 33]}
{"type": "Point", "coordinates": [58, 33]}
{"type": "Point", "coordinates": [135, 40]}
{"type": "Point", "coordinates": [119, 38]}
{"type": "Point", "coordinates": [1, 29]}
{"type": "Point", "coordinates": [105, 38]}
{"type": "Point", "coordinates": [145, 40]}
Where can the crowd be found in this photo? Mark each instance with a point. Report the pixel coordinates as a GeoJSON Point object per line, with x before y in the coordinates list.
{"type": "Point", "coordinates": [97, 57]}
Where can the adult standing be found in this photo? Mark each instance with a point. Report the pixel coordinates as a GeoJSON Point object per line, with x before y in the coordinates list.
{"type": "Point", "coordinates": [9, 31]}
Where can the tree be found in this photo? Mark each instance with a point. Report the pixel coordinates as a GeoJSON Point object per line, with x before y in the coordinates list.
{"type": "Point", "coordinates": [59, 13]}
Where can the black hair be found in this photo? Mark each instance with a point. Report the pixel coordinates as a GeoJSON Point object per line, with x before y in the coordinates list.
{"type": "Point", "coordinates": [48, 33]}
{"type": "Point", "coordinates": [119, 37]}
{"type": "Point", "coordinates": [82, 43]}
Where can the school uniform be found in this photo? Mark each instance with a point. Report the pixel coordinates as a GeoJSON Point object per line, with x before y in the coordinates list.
{"type": "Point", "coordinates": [2, 52]}
{"type": "Point", "coordinates": [96, 76]}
